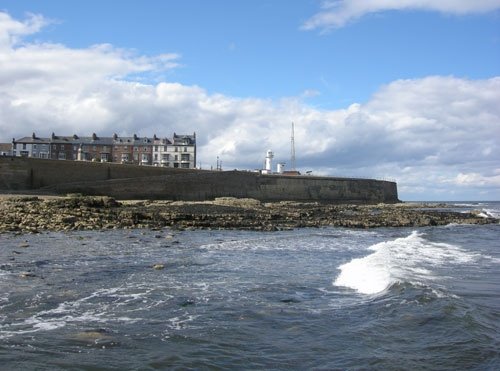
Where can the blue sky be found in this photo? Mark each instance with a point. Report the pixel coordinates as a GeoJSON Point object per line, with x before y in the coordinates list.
{"type": "Point", "coordinates": [257, 48]}
{"type": "Point", "coordinates": [375, 90]}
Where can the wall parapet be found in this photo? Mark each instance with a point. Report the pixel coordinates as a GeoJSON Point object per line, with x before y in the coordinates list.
{"type": "Point", "coordinates": [147, 182]}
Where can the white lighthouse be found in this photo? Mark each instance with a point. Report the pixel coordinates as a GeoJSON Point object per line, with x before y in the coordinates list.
{"type": "Point", "coordinates": [269, 162]}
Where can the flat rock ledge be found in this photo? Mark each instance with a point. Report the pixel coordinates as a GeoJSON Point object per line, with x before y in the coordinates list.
{"type": "Point", "coordinates": [34, 214]}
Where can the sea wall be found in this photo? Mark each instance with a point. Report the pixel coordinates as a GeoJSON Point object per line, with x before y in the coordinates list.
{"type": "Point", "coordinates": [145, 182]}
{"type": "Point", "coordinates": [21, 173]}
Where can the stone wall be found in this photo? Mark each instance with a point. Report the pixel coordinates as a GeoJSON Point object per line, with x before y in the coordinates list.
{"type": "Point", "coordinates": [19, 173]}
{"type": "Point", "coordinates": [142, 182]}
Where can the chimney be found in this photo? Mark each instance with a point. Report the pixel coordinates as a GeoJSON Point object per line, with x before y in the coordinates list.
{"type": "Point", "coordinates": [135, 137]}
{"type": "Point", "coordinates": [115, 136]}
{"type": "Point", "coordinates": [53, 135]}
{"type": "Point", "coordinates": [33, 136]}
{"type": "Point", "coordinates": [155, 137]}
{"type": "Point", "coordinates": [94, 136]}
{"type": "Point", "coordinates": [75, 136]}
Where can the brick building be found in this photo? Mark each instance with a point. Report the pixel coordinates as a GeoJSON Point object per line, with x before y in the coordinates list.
{"type": "Point", "coordinates": [180, 151]}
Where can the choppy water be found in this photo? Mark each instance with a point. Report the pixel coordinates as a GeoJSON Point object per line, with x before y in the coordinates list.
{"type": "Point", "coordinates": [331, 298]}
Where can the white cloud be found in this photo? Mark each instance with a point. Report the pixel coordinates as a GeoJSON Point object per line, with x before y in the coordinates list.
{"type": "Point", "coordinates": [11, 30]}
{"type": "Point", "coordinates": [474, 179]}
{"type": "Point", "coordinates": [337, 13]}
{"type": "Point", "coordinates": [434, 135]}
{"type": "Point", "coordinates": [310, 93]}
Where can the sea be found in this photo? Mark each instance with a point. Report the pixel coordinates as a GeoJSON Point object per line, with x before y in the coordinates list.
{"type": "Point", "coordinates": [320, 298]}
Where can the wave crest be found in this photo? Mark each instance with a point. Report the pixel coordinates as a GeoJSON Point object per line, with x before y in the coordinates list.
{"type": "Point", "coordinates": [407, 259]}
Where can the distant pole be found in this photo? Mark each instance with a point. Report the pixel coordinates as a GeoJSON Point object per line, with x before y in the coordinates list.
{"type": "Point", "coordinates": [292, 157]}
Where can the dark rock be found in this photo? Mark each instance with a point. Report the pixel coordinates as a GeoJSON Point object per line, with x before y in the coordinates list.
{"type": "Point", "coordinates": [187, 302]}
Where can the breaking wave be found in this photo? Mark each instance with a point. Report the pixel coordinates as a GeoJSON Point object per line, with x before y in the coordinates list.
{"type": "Point", "coordinates": [408, 259]}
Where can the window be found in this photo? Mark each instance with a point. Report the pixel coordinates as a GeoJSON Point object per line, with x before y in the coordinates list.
{"type": "Point", "coordinates": [136, 149]}
{"type": "Point", "coordinates": [62, 156]}
{"type": "Point", "coordinates": [176, 158]}
{"type": "Point", "coordinates": [145, 149]}
{"type": "Point", "coordinates": [156, 148]}
{"type": "Point", "coordinates": [156, 157]}
{"type": "Point", "coordinates": [105, 148]}
{"type": "Point", "coordinates": [185, 165]}
{"type": "Point", "coordinates": [24, 145]}
{"type": "Point", "coordinates": [34, 146]}
{"type": "Point", "coordinates": [94, 148]}
{"type": "Point", "coordinates": [54, 147]}
{"type": "Point", "coordinates": [185, 157]}
{"type": "Point", "coordinates": [62, 147]}
{"type": "Point", "coordinates": [176, 149]}
{"type": "Point", "coordinates": [185, 149]}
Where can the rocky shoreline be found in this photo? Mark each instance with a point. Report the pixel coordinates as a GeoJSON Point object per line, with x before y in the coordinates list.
{"type": "Point", "coordinates": [35, 214]}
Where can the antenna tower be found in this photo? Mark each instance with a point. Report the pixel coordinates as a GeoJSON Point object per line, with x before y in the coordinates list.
{"type": "Point", "coordinates": [292, 143]}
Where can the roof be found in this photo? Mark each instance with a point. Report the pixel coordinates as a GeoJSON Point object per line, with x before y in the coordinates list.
{"type": "Point", "coordinates": [185, 139]}
{"type": "Point", "coordinates": [114, 140]}
{"type": "Point", "coordinates": [32, 140]}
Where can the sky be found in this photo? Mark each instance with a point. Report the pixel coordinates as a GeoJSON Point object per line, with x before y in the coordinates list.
{"type": "Point", "coordinates": [406, 90]}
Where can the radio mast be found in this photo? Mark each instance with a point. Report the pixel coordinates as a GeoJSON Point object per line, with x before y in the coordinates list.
{"type": "Point", "coordinates": [292, 143]}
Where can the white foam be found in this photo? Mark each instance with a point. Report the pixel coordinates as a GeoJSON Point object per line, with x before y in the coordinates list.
{"type": "Point", "coordinates": [314, 240]}
{"type": "Point", "coordinates": [179, 323]}
{"type": "Point", "coordinates": [408, 259]}
{"type": "Point", "coordinates": [82, 310]}
{"type": "Point", "coordinates": [491, 213]}
{"type": "Point", "coordinates": [483, 215]}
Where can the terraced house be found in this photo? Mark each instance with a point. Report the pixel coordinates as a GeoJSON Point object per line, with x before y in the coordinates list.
{"type": "Point", "coordinates": [178, 151]}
